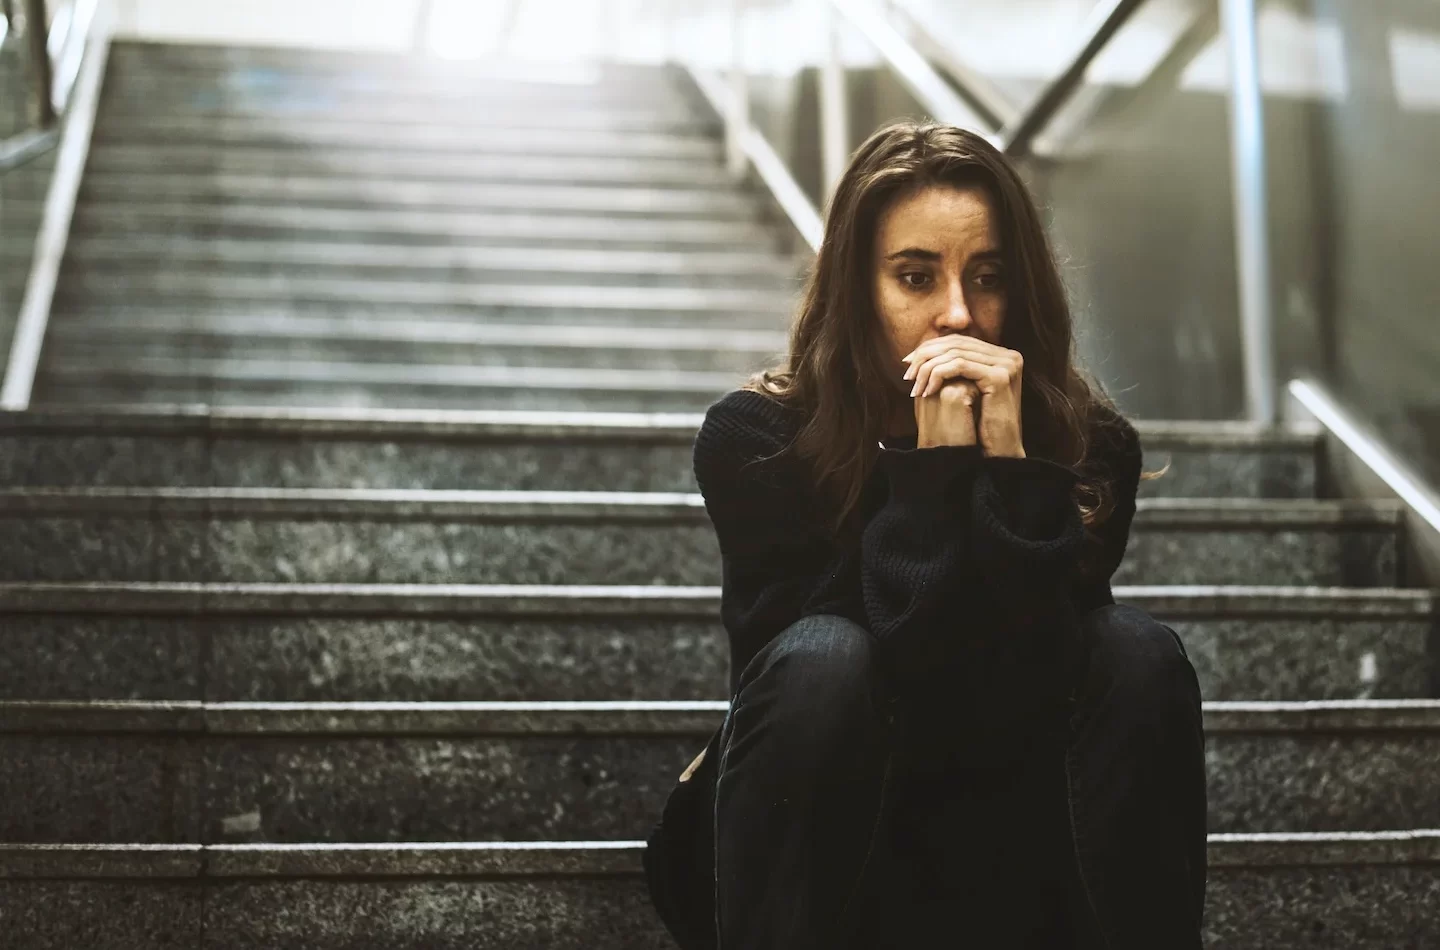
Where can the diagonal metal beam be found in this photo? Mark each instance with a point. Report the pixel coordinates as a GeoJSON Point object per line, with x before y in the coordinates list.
{"type": "Point", "coordinates": [1103, 24]}
{"type": "Point", "coordinates": [990, 104]}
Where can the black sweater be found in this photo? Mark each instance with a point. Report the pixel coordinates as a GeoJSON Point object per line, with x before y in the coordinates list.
{"type": "Point", "coordinates": [968, 573]}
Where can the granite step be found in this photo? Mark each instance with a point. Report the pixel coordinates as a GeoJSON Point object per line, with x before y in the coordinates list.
{"type": "Point", "coordinates": [358, 164]}
{"type": "Point", "coordinates": [262, 382]}
{"type": "Point", "coordinates": [398, 118]}
{"type": "Point", "coordinates": [307, 643]}
{"type": "Point", "coordinates": [292, 448]}
{"type": "Point", "coordinates": [407, 263]}
{"type": "Point", "coordinates": [1321, 891]}
{"type": "Point", "coordinates": [152, 772]}
{"type": "Point", "coordinates": [386, 76]}
{"type": "Point", "coordinates": [450, 198]}
{"type": "Point", "coordinates": [299, 133]}
{"type": "Point", "coordinates": [486, 536]}
{"type": "Point", "coordinates": [558, 303]}
{"type": "Point", "coordinates": [167, 336]}
{"type": "Point", "coordinates": [308, 225]}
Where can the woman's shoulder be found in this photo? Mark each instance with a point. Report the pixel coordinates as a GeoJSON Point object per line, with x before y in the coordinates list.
{"type": "Point", "coordinates": [743, 426]}
{"type": "Point", "coordinates": [1113, 441]}
{"type": "Point", "coordinates": [744, 417]}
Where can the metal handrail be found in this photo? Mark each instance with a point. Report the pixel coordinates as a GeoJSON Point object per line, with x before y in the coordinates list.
{"type": "Point", "coordinates": [54, 231]}
{"type": "Point", "coordinates": [912, 69]}
{"type": "Point", "coordinates": [1421, 501]}
{"type": "Point", "coordinates": [990, 104]}
{"type": "Point", "coordinates": [36, 29]}
{"type": "Point", "coordinates": [1102, 25]}
{"type": "Point", "coordinates": [53, 75]}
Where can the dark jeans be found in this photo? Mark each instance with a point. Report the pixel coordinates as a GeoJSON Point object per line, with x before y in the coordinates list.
{"type": "Point", "coordinates": [825, 839]}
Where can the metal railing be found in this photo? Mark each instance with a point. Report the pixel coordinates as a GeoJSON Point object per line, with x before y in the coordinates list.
{"type": "Point", "coordinates": [71, 66]}
{"type": "Point", "coordinates": [980, 108]}
{"type": "Point", "coordinates": [55, 52]}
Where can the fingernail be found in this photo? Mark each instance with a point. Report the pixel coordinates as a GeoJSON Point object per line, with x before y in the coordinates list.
{"type": "Point", "coordinates": [910, 372]}
{"type": "Point", "coordinates": [915, 391]}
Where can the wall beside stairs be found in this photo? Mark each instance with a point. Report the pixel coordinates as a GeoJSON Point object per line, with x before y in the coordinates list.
{"type": "Point", "coordinates": [1139, 199]}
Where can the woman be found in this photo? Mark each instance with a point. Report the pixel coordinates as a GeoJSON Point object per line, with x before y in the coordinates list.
{"type": "Point", "coordinates": [942, 729]}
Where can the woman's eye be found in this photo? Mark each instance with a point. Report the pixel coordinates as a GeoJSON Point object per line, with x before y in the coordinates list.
{"type": "Point", "coordinates": [990, 280]}
{"type": "Point", "coordinates": [914, 279]}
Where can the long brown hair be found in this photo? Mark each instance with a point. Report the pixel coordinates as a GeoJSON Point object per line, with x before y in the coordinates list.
{"type": "Point", "coordinates": [837, 370]}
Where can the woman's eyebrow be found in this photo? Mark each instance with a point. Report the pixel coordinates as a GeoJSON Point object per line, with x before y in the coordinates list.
{"type": "Point", "coordinates": [921, 254]}
{"type": "Point", "coordinates": [914, 254]}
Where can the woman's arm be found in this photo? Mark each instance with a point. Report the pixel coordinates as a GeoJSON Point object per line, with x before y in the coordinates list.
{"type": "Point", "coordinates": [963, 541]}
{"type": "Point", "coordinates": [774, 551]}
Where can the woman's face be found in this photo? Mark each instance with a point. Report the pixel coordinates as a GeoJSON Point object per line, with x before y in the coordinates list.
{"type": "Point", "coordinates": [937, 269]}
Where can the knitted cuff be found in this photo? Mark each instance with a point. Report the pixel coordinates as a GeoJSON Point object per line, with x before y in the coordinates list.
{"type": "Point", "coordinates": [926, 476]}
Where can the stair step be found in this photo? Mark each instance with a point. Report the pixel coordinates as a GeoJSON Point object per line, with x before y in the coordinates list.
{"type": "Point", "coordinates": [298, 133]}
{"type": "Point", "coordinates": [293, 448]}
{"type": "Point", "coordinates": [359, 164]}
{"type": "Point", "coordinates": [400, 536]}
{"type": "Point", "coordinates": [377, 72]}
{"type": "Point", "coordinates": [405, 263]}
{"type": "Point", "coordinates": [306, 643]}
{"type": "Point", "coordinates": [388, 771]}
{"type": "Point", "coordinates": [448, 198]}
{"type": "Point", "coordinates": [1315, 891]}
{"type": "Point", "coordinates": [306, 225]}
{"type": "Point", "coordinates": [400, 118]}
{"type": "Point", "coordinates": [329, 339]}
{"type": "Point", "coordinates": [261, 382]}
{"type": "Point", "coordinates": [770, 307]}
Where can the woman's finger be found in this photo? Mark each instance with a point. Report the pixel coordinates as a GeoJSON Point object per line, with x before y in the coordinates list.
{"type": "Point", "coordinates": [923, 371]}
{"type": "Point", "coordinates": [947, 371]}
{"type": "Point", "coordinates": [986, 352]}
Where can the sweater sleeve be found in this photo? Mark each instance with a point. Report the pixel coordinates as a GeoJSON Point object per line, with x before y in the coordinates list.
{"type": "Point", "coordinates": [774, 555]}
{"type": "Point", "coordinates": [960, 537]}
{"type": "Point", "coordinates": [915, 557]}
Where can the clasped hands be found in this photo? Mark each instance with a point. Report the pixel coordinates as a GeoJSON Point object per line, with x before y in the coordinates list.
{"type": "Point", "coordinates": [967, 391]}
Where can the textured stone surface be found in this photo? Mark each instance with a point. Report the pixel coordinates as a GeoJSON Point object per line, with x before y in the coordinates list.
{"type": "Point", "coordinates": [36, 460]}
{"type": "Point", "coordinates": [1310, 657]}
{"type": "Point", "coordinates": [1320, 782]}
{"type": "Point", "coordinates": [1229, 473]}
{"type": "Point", "coordinates": [82, 788]}
{"type": "Point", "coordinates": [313, 656]}
{"type": "Point", "coordinates": [1338, 908]}
{"type": "Point", "coordinates": [385, 542]}
{"type": "Point", "coordinates": [457, 784]}
{"type": "Point", "coordinates": [76, 384]}
{"type": "Point", "coordinates": [572, 914]}
{"type": "Point", "coordinates": [237, 452]}
{"type": "Point", "coordinates": [101, 915]}
{"type": "Point", "coordinates": [1383, 907]}
{"type": "Point", "coordinates": [101, 548]}
{"type": "Point", "coordinates": [1346, 558]}
{"type": "Point", "coordinates": [422, 789]}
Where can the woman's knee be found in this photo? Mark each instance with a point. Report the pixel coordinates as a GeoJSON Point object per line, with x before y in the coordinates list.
{"type": "Point", "coordinates": [1135, 659]}
{"type": "Point", "coordinates": [817, 675]}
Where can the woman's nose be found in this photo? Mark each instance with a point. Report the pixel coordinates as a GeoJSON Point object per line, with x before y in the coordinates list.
{"type": "Point", "coordinates": [956, 315]}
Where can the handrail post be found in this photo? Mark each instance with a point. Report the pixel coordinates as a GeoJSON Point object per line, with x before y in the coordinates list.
{"type": "Point", "coordinates": [37, 31]}
{"type": "Point", "coordinates": [1252, 244]}
{"type": "Point", "coordinates": [420, 28]}
{"type": "Point", "coordinates": [834, 108]}
{"type": "Point", "coordinates": [737, 117]}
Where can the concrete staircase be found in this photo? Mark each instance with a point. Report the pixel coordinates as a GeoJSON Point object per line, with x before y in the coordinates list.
{"type": "Point", "coordinates": [267, 228]}
{"type": "Point", "coordinates": [406, 678]}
